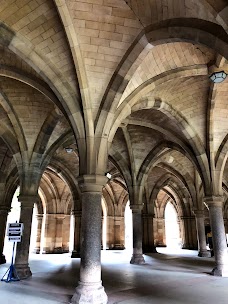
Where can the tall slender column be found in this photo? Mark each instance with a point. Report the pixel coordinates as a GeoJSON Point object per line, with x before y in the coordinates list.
{"type": "Point", "coordinates": [137, 257]}
{"type": "Point", "coordinates": [4, 210]}
{"type": "Point", "coordinates": [148, 233]}
{"type": "Point", "coordinates": [22, 254]}
{"type": "Point", "coordinates": [215, 205]}
{"type": "Point", "coordinates": [90, 289]}
{"type": "Point", "coordinates": [39, 230]}
{"type": "Point", "coordinates": [77, 232]}
{"type": "Point", "coordinates": [200, 228]}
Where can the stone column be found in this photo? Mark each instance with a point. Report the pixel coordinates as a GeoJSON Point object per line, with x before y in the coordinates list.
{"type": "Point", "coordinates": [49, 233]}
{"type": "Point", "coordinates": [3, 219]}
{"type": "Point", "coordinates": [22, 253]}
{"type": "Point", "coordinates": [77, 232]}
{"type": "Point", "coordinates": [66, 233]}
{"type": "Point", "coordinates": [110, 232]}
{"type": "Point", "coordinates": [137, 257]}
{"type": "Point", "coordinates": [39, 230]}
{"type": "Point", "coordinates": [200, 228]}
{"type": "Point", "coordinates": [59, 233]}
{"type": "Point", "coordinates": [161, 238]}
{"type": "Point", "coordinates": [103, 246]}
{"type": "Point", "coordinates": [188, 232]}
{"type": "Point", "coordinates": [215, 205]}
{"type": "Point", "coordinates": [119, 233]}
{"type": "Point", "coordinates": [148, 233]}
{"type": "Point", "coordinates": [90, 289]}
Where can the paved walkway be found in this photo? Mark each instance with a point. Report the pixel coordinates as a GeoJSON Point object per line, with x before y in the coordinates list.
{"type": "Point", "coordinates": [178, 277]}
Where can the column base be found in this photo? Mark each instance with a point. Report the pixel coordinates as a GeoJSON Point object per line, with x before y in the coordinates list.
{"type": "Point", "coordinates": [220, 271]}
{"type": "Point", "coordinates": [204, 254]}
{"type": "Point", "coordinates": [23, 271]}
{"type": "Point", "coordinates": [118, 247]}
{"type": "Point", "coordinates": [60, 250]}
{"type": "Point", "coordinates": [137, 259]}
{"type": "Point", "coordinates": [91, 293]}
{"type": "Point", "coordinates": [75, 254]}
{"type": "Point", "coordinates": [2, 259]}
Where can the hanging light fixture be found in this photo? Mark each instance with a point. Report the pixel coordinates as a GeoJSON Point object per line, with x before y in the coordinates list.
{"type": "Point", "coordinates": [69, 150]}
{"type": "Point", "coordinates": [108, 175]}
{"type": "Point", "coordinates": [218, 77]}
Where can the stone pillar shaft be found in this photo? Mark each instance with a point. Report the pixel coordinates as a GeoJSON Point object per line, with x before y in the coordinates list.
{"type": "Point", "coordinates": [90, 289]}
{"type": "Point", "coordinates": [58, 248]}
{"type": "Point", "coordinates": [119, 232]}
{"type": "Point", "coordinates": [115, 232]}
{"type": "Point", "coordinates": [137, 257]}
{"type": "Point", "coordinates": [200, 228]}
{"type": "Point", "coordinates": [3, 219]}
{"type": "Point", "coordinates": [148, 233]}
{"type": "Point", "coordinates": [189, 234]}
{"type": "Point", "coordinates": [77, 234]}
{"type": "Point", "coordinates": [91, 240]}
{"type": "Point", "coordinates": [215, 205]}
{"type": "Point", "coordinates": [39, 230]}
{"type": "Point", "coordinates": [22, 253]}
{"type": "Point", "coordinates": [161, 237]}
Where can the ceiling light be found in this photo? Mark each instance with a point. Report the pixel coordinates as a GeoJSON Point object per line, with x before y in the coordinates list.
{"type": "Point", "coordinates": [218, 77]}
{"type": "Point", "coordinates": [69, 150]}
{"type": "Point", "coordinates": [108, 175]}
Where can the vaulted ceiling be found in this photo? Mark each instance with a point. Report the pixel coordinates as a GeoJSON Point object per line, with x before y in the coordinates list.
{"type": "Point", "coordinates": [134, 73]}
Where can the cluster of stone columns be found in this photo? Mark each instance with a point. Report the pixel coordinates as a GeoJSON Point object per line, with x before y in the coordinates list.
{"type": "Point", "coordinates": [87, 238]}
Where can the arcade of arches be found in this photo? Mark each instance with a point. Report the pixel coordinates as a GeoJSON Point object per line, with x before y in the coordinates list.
{"type": "Point", "coordinates": [90, 87]}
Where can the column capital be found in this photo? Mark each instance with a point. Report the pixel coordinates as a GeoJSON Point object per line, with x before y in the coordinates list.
{"type": "Point", "coordinates": [198, 213]}
{"type": "Point", "coordinates": [60, 216]}
{"type": "Point", "coordinates": [214, 201]}
{"type": "Point", "coordinates": [27, 200]}
{"type": "Point", "coordinates": [136, 208]}
{"type": "Point", "coordinates": [92, 183]}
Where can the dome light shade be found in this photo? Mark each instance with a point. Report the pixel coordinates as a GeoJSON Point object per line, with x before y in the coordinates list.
{"type": "Point", "coordinates": [69, 150]}
{"type": "Point", "coordinates": [218, 77]}
{"type": "Point", "coordinates": [108, 175]}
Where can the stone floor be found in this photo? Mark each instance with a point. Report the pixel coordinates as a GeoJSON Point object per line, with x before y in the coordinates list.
{"type": "Point", "coordinates": [167, 277]}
